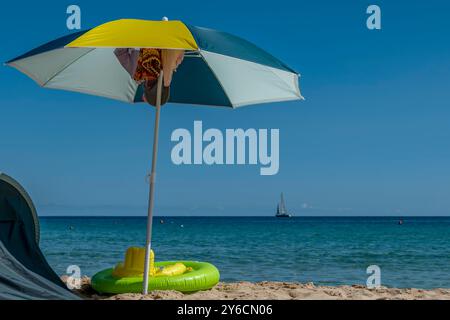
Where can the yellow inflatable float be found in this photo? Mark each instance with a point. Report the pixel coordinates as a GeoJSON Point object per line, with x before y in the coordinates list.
{"type": "Point", "coordinates": [127, 276]}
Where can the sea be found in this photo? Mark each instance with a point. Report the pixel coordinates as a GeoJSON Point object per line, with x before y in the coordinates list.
{"type": "Point", "coordinates": [323, 250]}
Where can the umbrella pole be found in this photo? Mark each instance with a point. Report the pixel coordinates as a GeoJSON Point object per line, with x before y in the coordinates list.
{"type": "Point", "coordinates": [148, 243]}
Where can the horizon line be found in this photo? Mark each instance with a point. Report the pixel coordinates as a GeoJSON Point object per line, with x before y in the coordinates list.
{"type": "Point", "coordinates": [241, 216]}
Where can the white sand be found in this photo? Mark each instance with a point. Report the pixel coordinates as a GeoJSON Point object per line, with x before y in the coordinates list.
{"type": "Point", "coordinates": [279, 291]}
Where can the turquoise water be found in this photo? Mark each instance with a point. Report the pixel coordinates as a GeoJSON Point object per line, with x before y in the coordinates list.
{"type": "Point", "coordinates": [327, 251]}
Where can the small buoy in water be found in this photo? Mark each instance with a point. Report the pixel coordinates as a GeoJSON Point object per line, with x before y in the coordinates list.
{"type": "Point", "coordinates": [161, 221]}
{"type": "Point", "coordinates": [400, 222]}
{"type": "Point", "coordinates": [182, 226]}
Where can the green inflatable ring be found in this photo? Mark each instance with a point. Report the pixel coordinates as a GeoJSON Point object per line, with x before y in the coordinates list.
{"type": "Point", "coordinates": [204, 276]}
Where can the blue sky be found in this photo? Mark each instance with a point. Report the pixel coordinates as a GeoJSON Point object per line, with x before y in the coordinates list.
{"type": "Point", "coordinates": [372, 138]}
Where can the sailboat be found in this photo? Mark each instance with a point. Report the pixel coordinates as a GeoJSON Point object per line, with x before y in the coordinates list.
{"type": "Point", "coordinates": [281, 209]}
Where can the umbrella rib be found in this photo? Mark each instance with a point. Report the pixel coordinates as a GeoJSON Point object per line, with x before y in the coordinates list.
{"type": "Point", "coordinates": [283, 80]}
{"type": "Point", "coordinates": [217, 78]}
{"type": "Point", "coordinates": [66, 66]}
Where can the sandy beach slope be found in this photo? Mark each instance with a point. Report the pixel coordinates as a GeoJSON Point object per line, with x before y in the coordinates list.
{"type": "Point", "coordinates": [277, 291]}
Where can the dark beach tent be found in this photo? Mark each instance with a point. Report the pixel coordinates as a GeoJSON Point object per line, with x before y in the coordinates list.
{"type": "Point", "coordinates": [24, 272]}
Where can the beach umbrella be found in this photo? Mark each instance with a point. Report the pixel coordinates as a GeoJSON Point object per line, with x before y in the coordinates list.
{"type": "Point", "coordinates": [219, 69]}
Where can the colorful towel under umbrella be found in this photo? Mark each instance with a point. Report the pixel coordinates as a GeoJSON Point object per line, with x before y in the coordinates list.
{"type": "Point", "coordinates": [219, 69]}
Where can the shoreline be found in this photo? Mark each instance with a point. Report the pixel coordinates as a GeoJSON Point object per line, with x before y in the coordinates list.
{"type": "Point", "coordinates": [269, 290]}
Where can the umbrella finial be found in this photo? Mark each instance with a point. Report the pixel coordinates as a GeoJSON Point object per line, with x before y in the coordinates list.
{"type": "Point", "coordinates": [165, 19]}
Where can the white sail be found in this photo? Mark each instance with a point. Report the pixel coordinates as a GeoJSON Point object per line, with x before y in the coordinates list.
{"type": "Point", "coordinates": [281, 208]}
{"type": "Point", "coordinates": [282, 205]}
